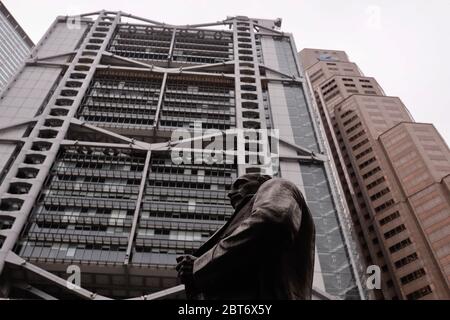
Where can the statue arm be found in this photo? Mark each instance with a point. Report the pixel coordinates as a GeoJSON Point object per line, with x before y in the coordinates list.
{"type": "Point", "coordinates": [272, 225]}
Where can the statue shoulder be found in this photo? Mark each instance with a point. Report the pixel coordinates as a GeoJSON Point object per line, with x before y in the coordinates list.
{"type": "Point", "coordinates": [281, 183]}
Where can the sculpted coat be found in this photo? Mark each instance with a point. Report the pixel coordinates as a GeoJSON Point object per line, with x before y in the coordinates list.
{"type": "Point", "coordinates": [264, 251]}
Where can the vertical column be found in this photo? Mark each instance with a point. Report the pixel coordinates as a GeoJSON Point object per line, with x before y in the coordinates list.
{"type": "Point", "coordinates": [138, 208]}
{"type": "Point", "coordinates": [249, 99]}
{"type": "Point", "coordinates": [26, 177]}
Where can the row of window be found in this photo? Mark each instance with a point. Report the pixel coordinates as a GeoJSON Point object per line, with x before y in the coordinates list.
{"type": "Point", "coordinates": [356, 126]}
{"type": "Point", "coordinates": [367, 162]}
{"type": "Point", "coordinates": [363, 153]}
{"type": "Point", "coordinates": [384, 206]}
{"type": "Point", "coordinates": [412, 276]}
{"type": "Point", "coordinates": [390, 218]}
{"type": "Point", "coordinates": [379, 194]}
{"type": "Point", "coordinates": [371, 172]}
{"type": "Point", "coordinates": [394, 231]}
{"type": "Point", "coordinates": [400, 245]}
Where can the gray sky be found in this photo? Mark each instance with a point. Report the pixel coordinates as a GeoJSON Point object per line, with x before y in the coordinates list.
{"type": "Point", "coordinates": [402, 43]}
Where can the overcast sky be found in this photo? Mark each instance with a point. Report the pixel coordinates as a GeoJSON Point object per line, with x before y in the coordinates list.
{"type": "Point", "coordinates": [404, 44]}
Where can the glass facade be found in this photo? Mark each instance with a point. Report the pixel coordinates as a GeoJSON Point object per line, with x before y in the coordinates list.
{"type": "Point", "coordinates": [335, 269]}
{"type": "Point", "coordinates": [14, 46]}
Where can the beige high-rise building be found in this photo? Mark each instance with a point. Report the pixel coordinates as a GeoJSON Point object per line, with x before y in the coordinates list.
{"type": "Point", "coordinates": [395, 175]}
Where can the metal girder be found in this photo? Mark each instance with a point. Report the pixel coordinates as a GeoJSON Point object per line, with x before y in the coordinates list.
{"type": "Point", "coordinates": [159, 69]}
{"type": "Point", "coordinates": [138, 144]}
{"type": "Point", "coordinates": [164, 294]}
{"type": "Point", "coordinates": [134, 62]}
{"type": "Point", "coordinates": [160, 101]}
{"type": "Point", "coordinates": [172, 47]}
{"type": "Point", "coordinates": [17, 124]}
{"type": "Point", "coordinates": [289, 77]}
{"type": "Point", "coordinates": [90, 14]}
{"type": "Point", "coordinates": [138, 207]}
{"type": "Point", "coordinates": [173, 292]}
{"type": "Point", "coordinates": [318, 157]}
{"type": "Point", "coordinates": [127, 15]}
{"type": "Point", "coordinates": [39, 59]}
{"type": "Point", "coordinates": [303, 159]}
{"type": "Point", "coordinates": [200, 25]}
{"type": "Point", "coordinates": [35, 291]}
{"type": "Point", "coordinates": [99, 144]}
{"type": "Point", "coordinates": [295, 80]}
{"type": "Point", "coordinates": [276, 32]}
{"type": "Point", "coordinates": [11, 141]}
{"type": "Point", "coordinates": [209, 65]}
{"type": "Point", "coordinates": [15, 260]}
{"type": "Point", "coordinates": [168, 71]}
{"type": "Point", "coordinates": [47, 64]}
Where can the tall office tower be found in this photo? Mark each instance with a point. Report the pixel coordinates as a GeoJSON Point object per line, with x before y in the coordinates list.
{"type": "Point", "coordinates": [92, 180]}
{"type": "Point", "coordinates": [15, 46]}
{"type": "Point", "coordinates": [395, 175]}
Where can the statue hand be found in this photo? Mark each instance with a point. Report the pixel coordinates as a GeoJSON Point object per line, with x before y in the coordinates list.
{"type": "Point", "coordinates": [185, 268]}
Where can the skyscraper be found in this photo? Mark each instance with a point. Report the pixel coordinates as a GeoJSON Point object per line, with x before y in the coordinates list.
{"type": "Point", "coordinates": [395, 175]}
{"type": "Point", "coordinates": [15, 45]}
{"type": "Point", "coordinates": [91, 180]}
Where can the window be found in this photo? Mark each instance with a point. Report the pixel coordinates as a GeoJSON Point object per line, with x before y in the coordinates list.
{"type": "Point", "coordinates": [400, 245]}
{"type": "Point", "coordinates": [357, 135]}
{"type": "Point", "coordinates": [371, 172]}
{"type": "Point", "coordinates": [366, 163]}
{"type": "Point", "coordinates": [363, 153]}
{"type": "Point", "coordinates": [328, 84]}
{"type": "Point", "coordinates": [316, 75]}
{"type": "Point", "coordinates": [375, 183]}
{"type": "Point", "coordinates": [360, 144]}
{"type": "Point", "coordinates": [385, 205]}
{"type": "Point", "coordinates": [389, 218]}
{"type": "Point", "coordinates": [379, 194]}
{"type": "Point", "coordinates": [406, 260]}
{"type": "Point", "coordinates": [71, 251]}
{"type": "Point", "coordinates": [185, 235]}
{"type": "Point", "coordinates": [331, 96]}
{"type": "Point", "coordinates": [412, 276]}
{"type": "Point", "coordinates": [394, 231]}
{"type": "Point", "coordinates": [419, 293]}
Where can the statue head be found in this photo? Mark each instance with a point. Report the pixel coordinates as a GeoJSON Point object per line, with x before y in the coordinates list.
{"type": "Point", "coordinates": [245, 187]}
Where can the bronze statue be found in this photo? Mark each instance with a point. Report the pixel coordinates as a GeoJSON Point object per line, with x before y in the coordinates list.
{"type": "Point", "coordinates": [264, 251]}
